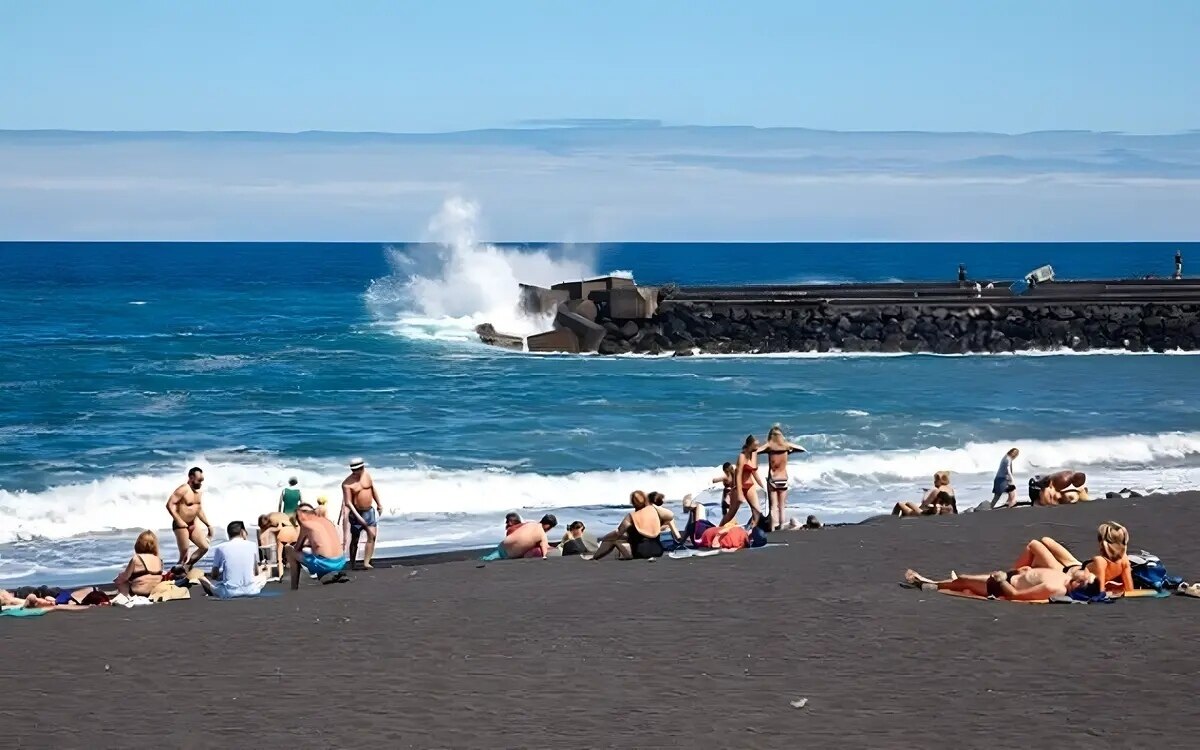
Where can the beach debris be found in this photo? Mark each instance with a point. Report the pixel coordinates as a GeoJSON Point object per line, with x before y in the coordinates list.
{"type": "Point", "coordinates": [799, 703]}
{"type": "Point", "coordinates": [107, 668]}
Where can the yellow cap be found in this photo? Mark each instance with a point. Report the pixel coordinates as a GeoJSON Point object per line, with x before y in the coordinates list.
{"type": "Point", "coordinates": [321, 500]}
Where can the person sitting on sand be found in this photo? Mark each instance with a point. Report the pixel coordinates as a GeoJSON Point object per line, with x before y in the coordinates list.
{"type": "Point", "coordinates": [1111, 567]}
{"type": "Point", "coordinates": [1026, 584]}
{"type": "Point", "coordinates": [324, 557]}
{"type": "Point", "coordinates": [1059, 488]}
{"type": "Point", "coordinates": [778, 448]}
{"type": "Point", "coordinates": [236, 572]}
{"type": "Point", "coordinates": [637, 536]}
{"type": "Point", "coordinates": [523, 539]}
{"type": "Point", "coordinates": [275, 531]}
{"type": "Point", "coordinates": [145, 569]}
{"type": "Point", "coordinates": [745, 479]}
{"type": "Point", "coordinates": [938, 500]}
{"type": "Point", "coordinates": [1004, 484]}
{"type": "Point", "coordinates": [577, 541]}
{"type": "Point", "coordinates": [812, 523]}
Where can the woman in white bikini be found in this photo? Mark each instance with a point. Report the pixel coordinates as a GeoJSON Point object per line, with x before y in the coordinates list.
{"type": "Point", "coordinates": [778, 448]}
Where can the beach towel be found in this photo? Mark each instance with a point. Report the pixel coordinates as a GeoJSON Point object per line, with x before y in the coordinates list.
{"type": "Point", "coordinates": [24, 612]}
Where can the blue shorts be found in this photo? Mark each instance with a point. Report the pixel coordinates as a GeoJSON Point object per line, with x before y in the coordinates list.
{"type": "Point", "coordinates": [368, 516]}
{"type": "Point", "coordinates": [322, 566]}
{"type": "Point", "coordinates": [497, 554]}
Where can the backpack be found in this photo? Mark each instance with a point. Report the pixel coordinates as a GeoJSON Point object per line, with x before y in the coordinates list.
{"type": "Point", "coordinates": [1149, 573]}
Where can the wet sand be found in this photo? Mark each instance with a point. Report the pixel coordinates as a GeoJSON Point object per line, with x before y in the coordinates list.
{"type": "Point", "coordinates": [673, 653]}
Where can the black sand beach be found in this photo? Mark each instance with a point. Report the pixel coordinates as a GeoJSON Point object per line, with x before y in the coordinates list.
{"type": "Point", "coordinates": [673, 653]}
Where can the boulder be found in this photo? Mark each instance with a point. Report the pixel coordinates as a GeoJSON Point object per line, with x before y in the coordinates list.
{"type": "Point", "coordinates": [588, 333]}
{"type": "Point", "coordinates": [584, 308]}
{"type": "Point", "coordinates": [489, 335]}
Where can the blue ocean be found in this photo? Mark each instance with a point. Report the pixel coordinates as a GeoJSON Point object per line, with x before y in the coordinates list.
{"type": "Point", "coordinates": [121, 365]}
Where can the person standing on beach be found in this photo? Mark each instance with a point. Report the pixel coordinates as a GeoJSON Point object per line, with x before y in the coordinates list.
{"type": "Point", "coordinates": [289, 499]}
{"type": "Point", "coordinates": [185, 508]}
{"type": "Point", "coordinates": [361, 504]}
{"type": "Point", "coordinates": [1004, 483]}
{"type": "Point", "coordinates": [778, 448]}
{"type": "Point", "coordinates": [745, 477]}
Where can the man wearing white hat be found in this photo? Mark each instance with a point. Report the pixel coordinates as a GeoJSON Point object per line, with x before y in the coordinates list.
{"type": "Point", "coordinates": [361, 505]}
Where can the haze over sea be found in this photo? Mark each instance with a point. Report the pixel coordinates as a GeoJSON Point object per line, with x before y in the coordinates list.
{"type": "Point", "coordinates": [124, 364]}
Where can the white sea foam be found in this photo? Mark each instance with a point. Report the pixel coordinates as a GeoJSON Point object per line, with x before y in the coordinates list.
{"type": "Point", "coordinates": [241, 487]}
{"type": "Point", "coordinates": [444, 292]}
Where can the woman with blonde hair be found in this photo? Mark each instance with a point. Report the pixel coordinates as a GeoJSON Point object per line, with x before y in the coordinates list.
{"type": "Point", "coordinates": [145, 568]}
{"type": "Point", "coordinates": [1112, 569]}
{"type": "Point", "coordinates": [937, 500]}
{"type": "Point", "coordinates": [745, 477]}
{"type": "Point", "coordinates": [778, 448]}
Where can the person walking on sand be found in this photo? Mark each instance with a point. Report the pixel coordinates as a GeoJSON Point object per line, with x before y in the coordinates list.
{"type": "Point", "coordinates": [289, 499]}
{"type": "Point", "coordinates": [778, 448]}
{"type": "Point", "coordinates": [185, 508]}
{"type": "Point", "coordinates": [323, 558]}
{"type": "Point", "coordinates": [745, 477]}
{"type": "Point", "coordinates": [361, 504]}
{"type": "Point", "coordinates": [1004, 483]}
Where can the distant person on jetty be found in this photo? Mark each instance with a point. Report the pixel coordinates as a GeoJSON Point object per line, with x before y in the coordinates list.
{"type": "Point", "coordinates": [361, 504]}
{"type": "Point", "coordinates": [145, 569]}
{"type": "Point", "coordinates": [523, 539]}
{"type": "Point", "coordinates": [1111, 567]}
{"type": "Point", "coordinates": [1004, 484]}
{"type": "Point", "coordinates": [936, 501]}
{"type": "Point", "coordinates": [637, 536]}
{"type": "Point", "coordinates": [778, 448]}
{"type": "Point", "coordinates": [726, 480]}
{"type": "Point", "coordinates": [1059, 488]}
{"type": "Point", "coordinates": [275, 531]}
{"type": "Point", "coordinates": [577, 540]}
{"type": "Point", "coordinates": [185, 508]}
{"type": "Point", "coordinates": [289, 499]}
{"type": "Point", "coordinates": [1029, 584]}
{"type": "Point", "coordinates": [962, 274]}
{"type": "Point", "coordinates": [236, 572]}
{"type": "Point", "coordinates": [745, 477]}
{"type": "Point", "coordinates": [1178, 265]}
{"type": "Point", "coordinates": [323, 557]}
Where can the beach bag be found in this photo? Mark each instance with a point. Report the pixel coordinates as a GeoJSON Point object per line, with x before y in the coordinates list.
{"type": "Point", "coordinates": [1150, 573]}
{"type": "Point", "coordinates": [758, 538]}
{"type": "Point", "coordinates": [668, 542]}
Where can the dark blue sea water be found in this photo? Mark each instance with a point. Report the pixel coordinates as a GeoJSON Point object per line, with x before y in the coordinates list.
{"type": "Point", "coordinates": [122, 365]}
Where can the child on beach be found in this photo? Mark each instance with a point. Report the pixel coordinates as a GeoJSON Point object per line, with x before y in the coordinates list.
{"type": "Point", "coordinates": [726, 482]}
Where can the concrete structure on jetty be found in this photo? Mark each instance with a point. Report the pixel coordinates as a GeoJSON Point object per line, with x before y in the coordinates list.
{"type": "Point", "coordinates": [612, 315]}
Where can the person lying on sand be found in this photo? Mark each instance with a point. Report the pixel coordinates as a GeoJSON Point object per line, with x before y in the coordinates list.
{"type": "Point", "coordinates": [1026, 584]}
{"type": "Point", "coordinates": [523, 539]}
{"type": "Point", "coordinates": [324, 557]}
{"type": "Point", "coordinates": [1111, 568]}
{"type": "Point", "coordinates": [697, 519]}
{"type": "Point", "coordinates": [32, 601]}
{"type": "Point", "coordinates": [936, 501]}
{"type": "Point", "coordinates": [728, 537]}
{"type": "Point", "coordinates": [1059, 488]}
{"type": "Point", "coordinates": [275, 531]}
{"type": "Point", "coordinates": [637, 536]}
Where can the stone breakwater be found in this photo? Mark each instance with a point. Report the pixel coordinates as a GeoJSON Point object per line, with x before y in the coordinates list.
{"type": "Point", "coordinates": [685, 327]}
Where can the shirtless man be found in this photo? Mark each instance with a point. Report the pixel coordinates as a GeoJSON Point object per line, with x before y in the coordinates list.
{"type": "Point", "coordinates": [274, 531]}
{"type": "Point", "coordinates": [324, 557]}
{"type": "Point", "coordinates": [359, 502]}
{"type": "Point", "coordinates": [1025, 584]}
{"type": "Point", "coordinates": [523, 539]}
{"type": "Point", "coordinates": [1058, 488]}
{"type": "Point", "coordinates": [184, 507]}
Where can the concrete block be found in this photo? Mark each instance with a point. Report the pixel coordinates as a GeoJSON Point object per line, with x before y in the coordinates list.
{"type": "Point", "coordinates": [634, 303]}
{"type": "Point", "coordinates": [589, 333]}
{"type": "Point", "coordinates": [536, 300]}
{"type": "Point", "coordinates": [559, 340]}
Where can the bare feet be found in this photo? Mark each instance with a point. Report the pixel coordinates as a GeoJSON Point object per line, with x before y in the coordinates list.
{"type": "Point", "coordinates": [368, 566]}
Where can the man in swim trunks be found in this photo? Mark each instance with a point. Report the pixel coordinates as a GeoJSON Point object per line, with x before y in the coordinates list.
{"type": "Point", "coordinates": [360, 502]}
{"type": "Point", "coordinates": [275, 530]}
{"type": "Point", "coordinates": [1026, 584]}
{"type": "Point", "coordinates": [185, 507]}
{"type": "Point", "coordinates": [324, 557]}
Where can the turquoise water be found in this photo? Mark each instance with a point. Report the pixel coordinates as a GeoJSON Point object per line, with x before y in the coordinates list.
{"type": "Point", "coordinates": [123, 365]}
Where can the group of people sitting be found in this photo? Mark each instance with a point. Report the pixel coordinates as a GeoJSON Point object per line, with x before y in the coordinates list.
{"type": "Point", "coordinates": [647, 531]}
{"type": "Point", "coordinates": [1046, 569]}
{"type": "Point", "coordinates": [1058, 488]}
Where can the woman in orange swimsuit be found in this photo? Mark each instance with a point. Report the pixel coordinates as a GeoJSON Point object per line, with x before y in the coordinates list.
{"type": "Point", "coordinates": [778, 448]}
{"type": "Point", "coordinates": [745, 476]}
{"type": "Point", "coordinates": [1114, 574]}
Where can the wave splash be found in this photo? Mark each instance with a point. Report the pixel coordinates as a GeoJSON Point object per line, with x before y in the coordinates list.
{"type": "Point", "coordinates": [443, 291]}
{"type": "Point", "coordinates": [843, 482]}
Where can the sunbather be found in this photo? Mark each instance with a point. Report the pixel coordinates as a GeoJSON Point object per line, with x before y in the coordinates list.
{"type": "Point", "coordinates": [1111, 567]}
{"type": "Point", "coordinates": [1059, 488]}
{"type": "Point", "coordinates": [936, 501]}
{"type": "Point", "coordinates": [32, 601]}
{"type": "Point", "coordinates": [1026, 584]}
{"type": "Point", "coordinates": [637, 536]}
{"type": "Point", "coordinates": [145, 569]}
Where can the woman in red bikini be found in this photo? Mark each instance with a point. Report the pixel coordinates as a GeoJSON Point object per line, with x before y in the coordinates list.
{"type": "Point", "coordinates": [746, 476]}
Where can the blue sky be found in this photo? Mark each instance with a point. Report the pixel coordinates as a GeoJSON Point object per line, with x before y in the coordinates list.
{"type": "Point", "coordinates": [451, 65]}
